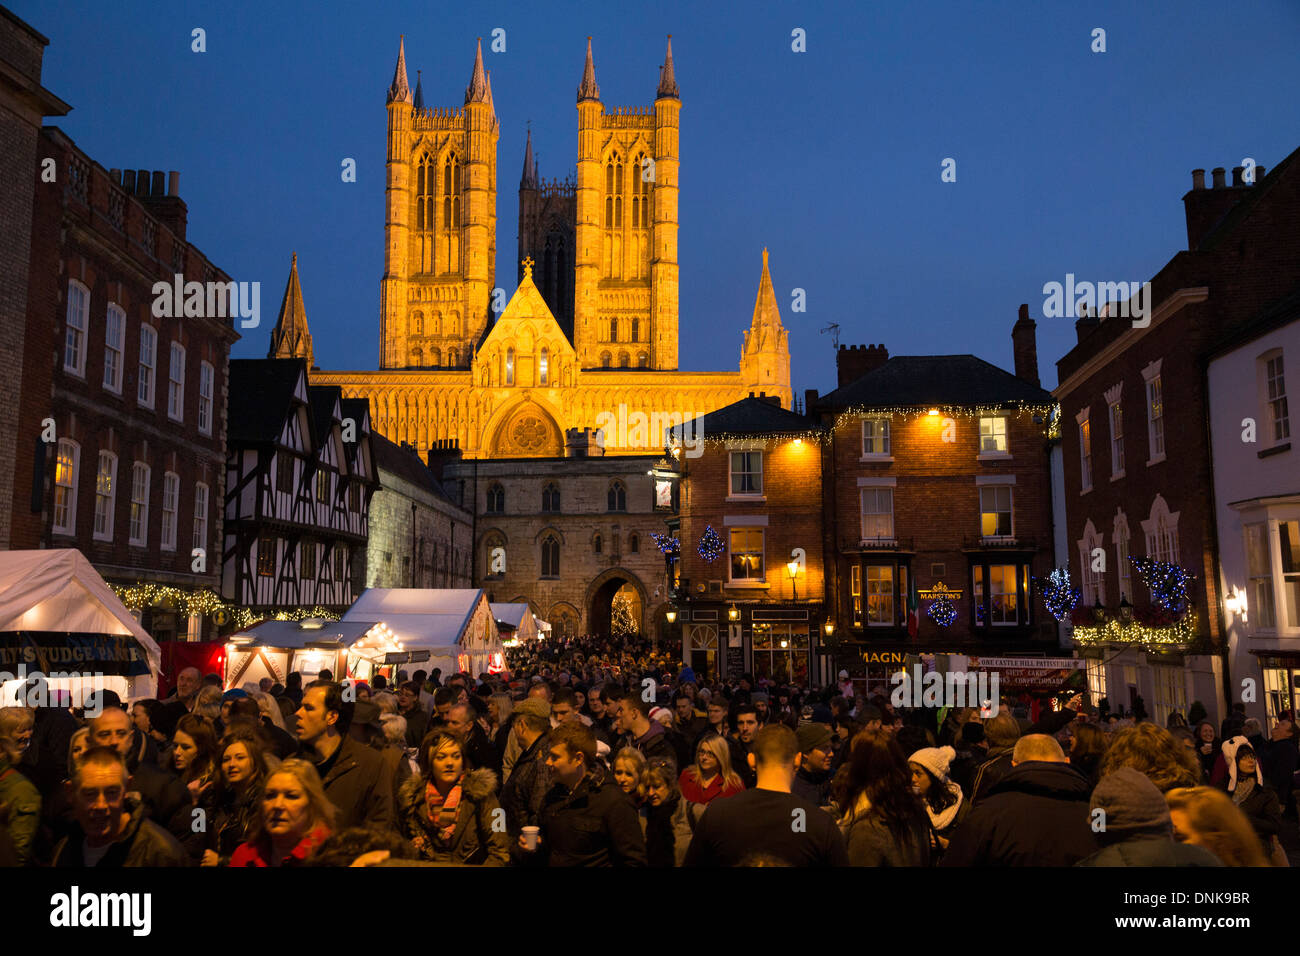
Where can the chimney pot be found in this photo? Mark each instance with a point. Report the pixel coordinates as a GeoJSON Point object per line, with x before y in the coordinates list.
{"type": "Point", "coordinates": [1236, 175]}
{"type": "Point", "coordinates": [128, 180]}
{"type": "Point", "coordinates": [1198, 179]}
{"type": "Point", "coordinates": [157, 186]}
{"type": "Point", "coordinates": [1024, 310]}
{"type": "Point", "coordinates": [1218, 173]}
{"type": "Point", "coordinates": [115, 176]}
{"type": "Point", "coordinates": [1259, 174]}
{"type": "Point", "coordinates": [142, 182]}
{"type": "Point", "coordinates": [173, 183]}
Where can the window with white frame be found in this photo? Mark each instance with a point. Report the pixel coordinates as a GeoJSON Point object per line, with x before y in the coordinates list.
{"type": "Point", "coordinates": [995, 511]}
{"type": "Point", "coordinates": [148, 362]}
{"type": "Point", "coordinates": [1161, 531]}
{"type": "Point", "coordinates": [1288, 533]}
{"type": "Point", "coordinates": [746, 548]}
{"type": "Point", "coordinates": [200, 516]}
{"type": "Point", "coordinates": [1085, 451]}
{"type": "Point", "coordinates": [1004, 601]}
{"type": "Point", "coordinates": [1155, 412]}
{"type": "Point", "coordinates": [206, 379]}
{"type": "Point", "coordinates": [176, 383]}
{"type": "Point", "coordinates": [1094, 582]}
{"type": "Point", "coordinates": [1259, 572]}
{"type": "Point", "coordinates": [74, 343]}
{"type": "Point", "coordinates": [877, 514]}
{"type": "Point", "coordinates": [1096, 680]}
{"type": "Point", "coordinates": [139, 504]}
{"type": "Point", "coordinates": [746, 472]}
{"type": "Point", "coordinates": [993, 435]}
{"type": "Point", "coordinates": [1124, 567]}
{"type": "Point", "coordinates": [105, 495]}
{"type": "Point", "coordinates": [1277, 415]}
{"type": "Point", "coordinates": [114, 338]}
{"type": "Point", "coordinates": [1116, 440]}
{"type": "Point", "coordinates": [880, 595]}
{"type": "Point", "coordinates": [171, 494]}
{"type": "Point", "coordinates": [65, 487]}
{"type": "Point", "coordinates": [875, 437]}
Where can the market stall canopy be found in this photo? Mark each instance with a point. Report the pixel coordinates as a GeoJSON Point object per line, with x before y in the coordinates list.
{"type": "Point", "coordinates": [517, 618]}
{"type": "Point", "coordinates": [54, 603]}
{"type": "Point", "coordinates": [455, 625]}
{"type": "Point", "coordinates": [300, 634]}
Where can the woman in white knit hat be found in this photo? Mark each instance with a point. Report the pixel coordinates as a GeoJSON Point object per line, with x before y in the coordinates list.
{"type": "Point", "coordinates": [942, 797]}
{"type": "Point", "coordinates": [1257, 800]}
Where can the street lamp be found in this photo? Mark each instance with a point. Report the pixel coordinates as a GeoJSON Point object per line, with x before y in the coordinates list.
{"type": "Point", "coordinates": [1098, 612]}
{"type": "Point", "coordinates": [793, 568]}
{"type": "Point", "coordinates": [829, 628]}
{"type": "Point", "coordinates": [1125, 610]}
{"type": "Point", "coordinates": [733, 613]}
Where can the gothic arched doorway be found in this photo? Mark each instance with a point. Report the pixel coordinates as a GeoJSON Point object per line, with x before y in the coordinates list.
{"type": "Point", "coordinates": [615, 604]}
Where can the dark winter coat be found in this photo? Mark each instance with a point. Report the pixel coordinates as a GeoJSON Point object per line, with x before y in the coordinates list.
{"type": "Point", "coordinates": [20, 809]}
{"type": "Point", "coordinates": [668, 830]}
{"type": "Point", "coordinates": [481, 753]}
{"type": "Point", "coordinates": [592, 825]}
{"type": "Point", "coordinates": [1036, 816]}
{"type": "Point", "coordinates": [524, 792]}
{"type": "Point", "coordinates": [1151, 851]}
{"type": "Point", "coordinates": [228, 818]}
{"type": "Point", "coordinates": [1261, 808]}
{"type": "Point", "coordinates": [813, 787]}
{"type": "Point", "coordinates": [987, 775]}
{"type": "Point", "coordinates": [479, 838]}
{"type": "Point", "coordinates": [162, 791]}
{"type": "Point", "coordinates": [141, 843]}
{"type": "Point", "coordinates": [356, 783]}
{"type": "Point", "coordinates": [417, 725]}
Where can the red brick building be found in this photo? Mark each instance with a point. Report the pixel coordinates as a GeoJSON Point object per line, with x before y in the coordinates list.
{"type": "Point", "coordinates": [135, 418]}
{"type": "Point", "coordinates": [936, 477]}
{"type": "Point", "coordinates": [1134, 414]}
{"type": "Point", "coordinates": [758, 485]}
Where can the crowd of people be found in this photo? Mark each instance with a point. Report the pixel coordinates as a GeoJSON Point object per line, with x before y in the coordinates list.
{"type": "Point", "coordinates": [592, 752]}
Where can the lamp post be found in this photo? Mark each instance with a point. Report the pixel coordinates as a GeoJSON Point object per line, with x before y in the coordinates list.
{"type": "Point", "coordinates": [793, 568]}
{"type": "Point", "coordinates": [671, 615]}
{"type": "Point", "coordinates": [733, 614]}
{"type": "Point", "coordinates": [1125, 610]}
{"type": "Point", "coordinates": [1098, 612]}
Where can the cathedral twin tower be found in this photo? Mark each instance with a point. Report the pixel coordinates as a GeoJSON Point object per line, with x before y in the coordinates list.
{"type": "Point", "coordinates": [594, 322]}
{"type": "Point", "coordinates": [606, 247]}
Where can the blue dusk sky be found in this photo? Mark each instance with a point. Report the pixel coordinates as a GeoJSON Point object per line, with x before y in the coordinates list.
{"type": "Point", "coordinates": [1067, 161]}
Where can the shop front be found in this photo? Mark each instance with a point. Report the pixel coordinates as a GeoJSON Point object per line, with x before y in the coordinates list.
{"type": "Point", "coordinates": [781, 644]}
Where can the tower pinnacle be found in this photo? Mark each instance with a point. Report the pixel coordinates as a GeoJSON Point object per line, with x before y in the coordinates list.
{"type": "Point", "coordinates": [478, 90]}
{"type": "Point", "coordinates": [588, 90]}
{"type": "Point", "coordinates": [400, 91]}
{"type": "Point", "coordinates": [668, 82]}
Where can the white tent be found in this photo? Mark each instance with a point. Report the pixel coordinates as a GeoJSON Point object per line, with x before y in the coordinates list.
{"type": "Point", "coordinates": [57, 616]}
{"type": "Point", "coordinates": [454, 624]}
{"type": "Point", "coordinates": [519, 619]}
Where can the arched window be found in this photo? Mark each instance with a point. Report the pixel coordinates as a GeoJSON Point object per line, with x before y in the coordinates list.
{"type": "Point", "coordinates": [453, 358]}
{"type": "Point", "coordinates": [634, 543]}
{"type": "Point", "coordinates": [496, 499]}
{"type": "Point", "coordinates": [494, 554]}
{"type": "Point", "coordinates": [425, 182]}
{"type": "Point", "coordinates": [613, 330]}
{"type": "Point", "coordinates": [617, 497]}
{"type": "Point", "coordinates": [604, 359]}
{"type": "Point", "coordinates": [435, 357]}
{"type": "Point", "coordinates": [551, 497]}
{"type": "Point", "coordinates": [550, 557]}
{"type": "Point", "coordinates": [543, 367]}
{"type": "Point", "coordinates": [596, 544]}
{"type": "Point", "coordinates": [636, 330]}
{"type": "Point", "coordinates": [510, 366]}
{"type": "Point", "coordinates": [417, 323]}
{"type": "Point", "coordinates": [451, 193]}
{"type": "Point", "coordinates": [417, 357]}
{"type": "Point", "coordinates": [642, 360]}
{"type": "Point", "coordinates": [623, 360]}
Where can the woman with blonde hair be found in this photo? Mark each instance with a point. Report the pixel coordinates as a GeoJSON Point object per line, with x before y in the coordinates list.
{"type": "Point", "coordinates": [208, 703]}
{"type": "Point", "coordinates": [711, 777]}
{"type": "Point", "coordinates": [501, 711]}
{"type": "Point", "coordinates": [1206, 817]}
{"type": "Point", "coordinates": [626, 770]}
{"type": "Point", "coordinates": [1153, 751]}
{"type": "Point", "coordinates": [20, 803]}
{"type": "Point", "coordinates": [293, 818]}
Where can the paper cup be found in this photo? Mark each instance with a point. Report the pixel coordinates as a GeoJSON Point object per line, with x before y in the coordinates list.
{"type": "Point", "coordinates": [530, 836]}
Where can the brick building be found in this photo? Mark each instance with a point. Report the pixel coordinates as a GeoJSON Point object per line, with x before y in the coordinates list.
{"type": "Point", "coordinates": [758, 485]}
{"type": "Point", "coordinates": [1134, 413]}
{"type": "Point", "coordinates": [419, 537]}
{"type": "Point", "coordinates": [936, 476]}
{"type": "Point", "coordinates": [25, 373]}
{"type": "Point", "coordinates": [132, 471]}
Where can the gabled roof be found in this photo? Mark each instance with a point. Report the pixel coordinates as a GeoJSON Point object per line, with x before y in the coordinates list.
{"type": "Point", "coordinates": [753, 416]}
{"type": "Point", "coordinates": [907, 381]}
{"type": "Point", "coordinates": [261, 392]}
{"type": "Point", "coordinates": [419, 617]}
{"type": "Point", "coordinates": [405, 464]}
{"type": "Point", "coordinates": [324, 400]}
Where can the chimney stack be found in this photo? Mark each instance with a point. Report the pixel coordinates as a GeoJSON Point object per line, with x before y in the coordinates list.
{"type": "Point", "coordinates": [854, 361]}
{"type": "Point", "coordinates": [159, 193]}
{"type": "Point", "coordinates": [1206, 208]}
{"type": "Point", "coordinates": [1024, 345]}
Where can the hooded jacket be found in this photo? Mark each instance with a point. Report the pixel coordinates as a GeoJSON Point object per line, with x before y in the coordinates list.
{"type": "Point", "coordinates": [1037, 815]}
{"type": "Point", "coordinates": [479, 839]}
{"type": "Point", "coordinates": [141, 843]}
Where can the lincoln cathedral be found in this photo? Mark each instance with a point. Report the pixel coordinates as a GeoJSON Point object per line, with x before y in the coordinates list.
{"type": "Point", "coordinates": [593, 323]}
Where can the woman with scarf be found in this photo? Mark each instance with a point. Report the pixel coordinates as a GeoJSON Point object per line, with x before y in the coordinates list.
{"type": "Point", "coordinates": [1256, 799]}
{"type": "Point", "coordinates": [448, 812]}
{"type": "Point", "coordinates": [942, 797]}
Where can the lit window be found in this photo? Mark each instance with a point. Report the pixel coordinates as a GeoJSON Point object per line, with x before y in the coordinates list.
{"type": "Point", "coordinates": [995, 511]}
{"type": "Point", "coordinates": [266, 557]}
{"type": "Point", "coordinates": [74, 344]}
{"type": "Point", "coordinates": [855, 590]}
{"type": "Point", "coordinates": [105, 495]}
{"type": "Point", "coordinates": [114, 336]}
{"type": "Point", "coordinates": [1155, 412]}
{"type": "Point", "coordinates": [65, 487]}
{"type": "Point", "coordinates": [139, 504]}
{"type": "Point", "coordinates": [148, 361]}
{"type": "Point", "coordinates": [322, 485]}
{"type": "Point", "coordinates": [171, 492]}
{"type": "Point", "coordinates": [880, 595]}
{"type": "Point", "coordinates": [746, 472]}
{"type": "Point", "coordinates": [875, 436]}
{"type": "Point", "coordinates": [1003, 594]}
{"type": "Point", "coordinates": [993, 435]}
{"type": "Point", "coordinates": [877, 514]}
{"type": "Point", "coordinates": [1289, 540]}
{"type": "Point", "coordinates": [746, 554]}
{"type": "Point", "coordinates": [1116, 439]}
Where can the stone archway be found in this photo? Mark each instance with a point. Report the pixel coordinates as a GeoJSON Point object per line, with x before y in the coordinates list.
{"type": "Point", "coordinates": [527, 431]}
{"type": "Point", "coordinates": [601, 594]}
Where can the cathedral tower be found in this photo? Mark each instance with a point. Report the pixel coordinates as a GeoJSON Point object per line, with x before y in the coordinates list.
{"type": "Point", "coordinates": [625, 282]}
{"type": "Point", "coordinates": [546, 235]}
{"type": "Point", "coordinates": [440, 230]}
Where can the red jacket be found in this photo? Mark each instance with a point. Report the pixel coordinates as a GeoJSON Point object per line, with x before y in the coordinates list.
{"type": "Point", "coordinates": [695, 793]}
{"type": "Point", "coordinates": [259, 853]}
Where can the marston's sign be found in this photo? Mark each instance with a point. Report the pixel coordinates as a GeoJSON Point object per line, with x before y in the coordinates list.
{"type": "Point", "coordinates": [940, 590]}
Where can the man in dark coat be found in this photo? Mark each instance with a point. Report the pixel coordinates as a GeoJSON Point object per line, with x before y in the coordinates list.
{"type": "Point", "coordinates": [812, 781]}
{"type": "Point", "coordinates": [352, 772]}
{"type": "Point", "coordinates": [112, 828]}
{"type": "Point", "coordinates": [1036, 815]}
{"type": "Point", "coordinates": [585, 820]}
{"type": "Point", "coordinates": [161, 791]}
{"type": "Point", "coordinates": [45, 761]}
{"type": "Point", "coordinates": [530, 778]}
{"type": "Point", "coordinates": [1002, 731]}
{"type": "Point", "coordinates": [632, 719]}
{"type": "Point", "coordinates": [409, 707]}
{"type": "Point", "coordinates": [479, 752]}
{"type": "Point", "coordinates": [1138, 829]}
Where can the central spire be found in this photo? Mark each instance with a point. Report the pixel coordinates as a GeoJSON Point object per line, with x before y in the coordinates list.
{"type": "Point", "coordinates": [400, 91]}
{"type": "Point", "coordinates": [588, 90]}
{"type": "Point", "coordinates": [478, 90]}
{"type": "Point", "coordinates": [529, 178]}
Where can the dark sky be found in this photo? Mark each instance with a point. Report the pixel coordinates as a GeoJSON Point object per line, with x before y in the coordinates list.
{"type": "Point", "coordinates": [1067, 160]}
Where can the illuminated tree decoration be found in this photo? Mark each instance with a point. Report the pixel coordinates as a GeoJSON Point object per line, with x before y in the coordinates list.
{"type": "Point", "coordinates": [667, 544]}
{"type": "Point", "coordinates": [942, 611]}
{"type": "Point", "coordinates": [1167, 583]}
{"type": "Point", "coordinates": [1059, 594]}
{"type": "Point", "coordinates": [710, 545]}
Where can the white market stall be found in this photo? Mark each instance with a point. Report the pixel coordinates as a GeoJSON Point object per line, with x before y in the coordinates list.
{"type": "Point", "coordinates": [518, 620]}
{"type": "Point", "coordinates": [455, 625]}
{"type": "Point", "coordinates": [59, 618]}
{"type": "Point", "coordinates": [276, 649]}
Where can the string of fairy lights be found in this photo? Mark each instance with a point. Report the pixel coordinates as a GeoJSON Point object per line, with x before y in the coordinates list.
{"type": "Point", "coordinates": [207, 603]}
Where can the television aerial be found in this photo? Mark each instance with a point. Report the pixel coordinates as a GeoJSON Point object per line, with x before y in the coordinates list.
{"type": "Point", "coordinates": [834, 330]}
